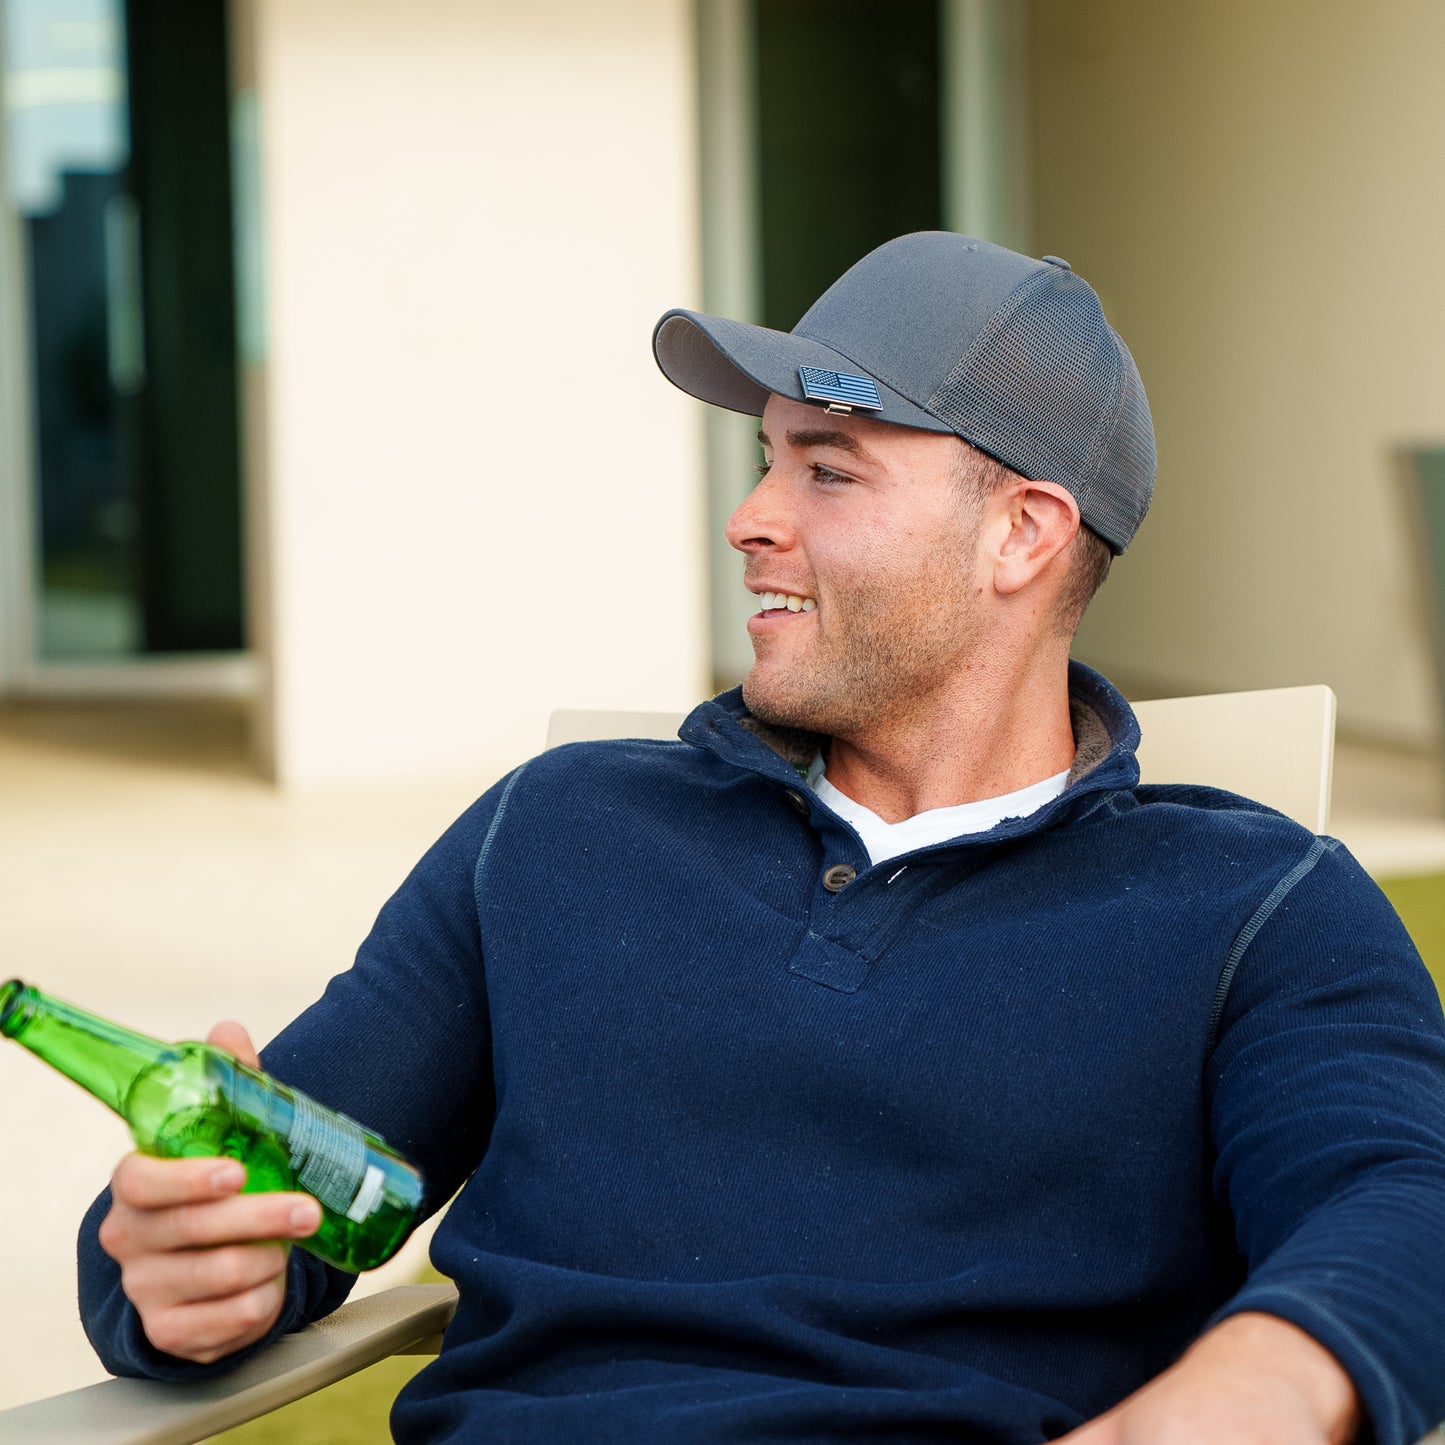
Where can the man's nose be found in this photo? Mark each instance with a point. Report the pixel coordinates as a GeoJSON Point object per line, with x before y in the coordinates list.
{"type": "Point", "coordinates": [761, 520]}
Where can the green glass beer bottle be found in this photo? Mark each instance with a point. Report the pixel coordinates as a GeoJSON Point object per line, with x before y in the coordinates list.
{"type": "Point", "coordinates": [189, 1099]}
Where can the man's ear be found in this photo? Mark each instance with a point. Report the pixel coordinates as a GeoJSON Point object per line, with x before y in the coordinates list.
{"type": "Point", "coordinates": [1041, 520]}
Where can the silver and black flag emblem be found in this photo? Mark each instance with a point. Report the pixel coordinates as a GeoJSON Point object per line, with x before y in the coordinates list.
{"type": "Point", "coordinates": [839, 387]}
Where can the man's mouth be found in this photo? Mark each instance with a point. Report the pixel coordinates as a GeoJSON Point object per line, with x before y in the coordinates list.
{"type": "Point", "coordinates": [784, 602]}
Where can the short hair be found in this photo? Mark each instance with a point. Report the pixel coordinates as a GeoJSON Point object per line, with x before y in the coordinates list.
{"type": "Point", "coordinates": [978, 476]}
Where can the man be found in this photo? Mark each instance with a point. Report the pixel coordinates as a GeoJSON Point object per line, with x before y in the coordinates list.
{"type": "Point", "coordinates": [879, 1061]}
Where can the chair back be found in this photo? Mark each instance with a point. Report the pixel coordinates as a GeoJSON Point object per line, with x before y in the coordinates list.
{"type": "Point", "coordinates": [1275, 745]}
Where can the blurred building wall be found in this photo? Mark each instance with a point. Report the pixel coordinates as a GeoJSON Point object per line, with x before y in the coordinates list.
{"type": "Point", "coordinates": [473, 498]}
{"type": "Point", "coordinates": [1255, 190]}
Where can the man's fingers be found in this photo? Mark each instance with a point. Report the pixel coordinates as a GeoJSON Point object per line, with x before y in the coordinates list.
{"type": "Point", "coordinates": [243, 1219]}
{"type": "Point", "coordinates": [206, 1331]}
{"type": "Point", "coordinates": [202, 1275]}
{"type": "Point", "coordinates": [204, 1264]}
{"type": "Point", "coordinates": [200, 1222]}
{"type": "Point", "coordinates": [143, 1182]}
{"type": "Point", "coordinates": [232, 1037]}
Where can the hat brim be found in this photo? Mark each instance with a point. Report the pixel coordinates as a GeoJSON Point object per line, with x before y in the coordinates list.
{"type": "Point", "coordinates": [738, 366]}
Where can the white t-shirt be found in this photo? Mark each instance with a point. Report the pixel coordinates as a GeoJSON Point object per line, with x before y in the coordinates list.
{"type": "Point", "coordinates": [936, 825]}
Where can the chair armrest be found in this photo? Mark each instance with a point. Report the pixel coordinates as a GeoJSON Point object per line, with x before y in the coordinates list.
{"type": "Point", "coordinates": [408, 1319]}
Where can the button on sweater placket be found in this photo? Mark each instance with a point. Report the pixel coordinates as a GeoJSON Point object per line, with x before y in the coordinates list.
{"type": "Point", "coordinates": [850, 922]}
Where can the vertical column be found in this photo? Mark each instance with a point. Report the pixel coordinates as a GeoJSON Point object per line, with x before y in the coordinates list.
{"type": "Point", "coordinates": [483, 502]}
{"type": "Point", "coordinates": [986, 179]}
{"type": "Point", "coordinates": [731, 281]}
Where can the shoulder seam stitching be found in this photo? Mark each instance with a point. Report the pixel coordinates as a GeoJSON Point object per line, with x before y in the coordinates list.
{"type": "Point", "coordinates": [1258, 919]}
{"type": "Point", "coordinates": [493, 826]}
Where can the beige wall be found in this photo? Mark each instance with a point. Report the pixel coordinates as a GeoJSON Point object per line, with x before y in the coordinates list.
{"type": "Point", "coordinates": [1255, 190]}
{"type": "Point", "coordinates": [477, 498]}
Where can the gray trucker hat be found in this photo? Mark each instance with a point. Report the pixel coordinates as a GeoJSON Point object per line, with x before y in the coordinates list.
{"type": "Point", "coordinates": [947, 334]}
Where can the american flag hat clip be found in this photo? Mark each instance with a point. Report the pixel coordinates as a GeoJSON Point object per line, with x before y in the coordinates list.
{"type": "Point", "coordinates": [839, 389]}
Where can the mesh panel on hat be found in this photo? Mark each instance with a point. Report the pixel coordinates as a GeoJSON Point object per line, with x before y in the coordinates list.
{"type": "Point", "coordinates": [1124, 479]}
{"type": "Point", "coordinates": [1042, 389]}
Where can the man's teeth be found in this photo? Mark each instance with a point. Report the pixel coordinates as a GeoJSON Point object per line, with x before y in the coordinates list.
{"type": "Point", "coordinates": [771, 600]}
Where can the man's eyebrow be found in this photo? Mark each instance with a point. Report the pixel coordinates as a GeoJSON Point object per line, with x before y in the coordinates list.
{"type": "Point", "coordinates": [824, 437]}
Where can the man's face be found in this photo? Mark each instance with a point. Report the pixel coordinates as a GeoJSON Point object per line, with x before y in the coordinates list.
{"type": "Point", "coordinates": [862, 524]}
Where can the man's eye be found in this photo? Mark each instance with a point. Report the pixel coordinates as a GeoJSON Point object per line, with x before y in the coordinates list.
{"type": "Point", "coordinates": [763, 468]}
{"type": "Point", "coordinates": [827, 474]}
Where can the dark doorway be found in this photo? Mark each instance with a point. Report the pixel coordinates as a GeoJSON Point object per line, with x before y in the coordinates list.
{"type": "Point", "coordinates": [849, 127]}
{"type": "Point", "coordinates": [186, 444]}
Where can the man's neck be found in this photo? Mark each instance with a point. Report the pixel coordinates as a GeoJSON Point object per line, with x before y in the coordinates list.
{"type": "Point", "coordinates": [988, 741]}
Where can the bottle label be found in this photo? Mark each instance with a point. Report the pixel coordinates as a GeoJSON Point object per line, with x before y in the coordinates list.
{"type": "Point", "coordinates": [328, 1154]}
{"type": "Point", "coordinates": [368, 1196]}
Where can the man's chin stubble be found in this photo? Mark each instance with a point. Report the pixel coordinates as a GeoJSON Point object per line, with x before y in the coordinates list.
{"type": "Point", "coordinates": [777, 708]}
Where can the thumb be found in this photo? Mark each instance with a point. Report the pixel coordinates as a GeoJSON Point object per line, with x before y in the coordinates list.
{"type": "Point", "coordinates": [230, 1035]}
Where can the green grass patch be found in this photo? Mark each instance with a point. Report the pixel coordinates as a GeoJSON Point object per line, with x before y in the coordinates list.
{"type": "Point", "coordinates": [1420, 902]}
{"type": "Point", "coordinates": [353, 1411]}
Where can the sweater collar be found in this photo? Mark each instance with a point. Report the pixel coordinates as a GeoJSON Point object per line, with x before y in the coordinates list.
{"type": "Point", "coordinates": [1106, 737]}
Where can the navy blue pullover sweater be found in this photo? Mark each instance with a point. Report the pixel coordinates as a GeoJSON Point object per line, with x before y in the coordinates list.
{"type": "Point", "coordinates": [967, 1150]}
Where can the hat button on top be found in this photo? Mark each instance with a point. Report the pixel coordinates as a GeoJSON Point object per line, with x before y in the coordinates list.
{"type": "Point", "coordinates": [1056, 261]}
{"type": "Point", "coordinates": [838, 877]}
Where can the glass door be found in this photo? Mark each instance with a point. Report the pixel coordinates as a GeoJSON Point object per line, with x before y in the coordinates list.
{"type": "Point", "coordinates": [68, 153]}
{"type": "Point", "coordinates": [117, 173]}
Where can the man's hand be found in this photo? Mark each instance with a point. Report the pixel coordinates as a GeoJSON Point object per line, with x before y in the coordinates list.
{"type": "Point", "coordinates": [204, 1264]}
{"type": "Point", "coordinates": [1252, 1380]}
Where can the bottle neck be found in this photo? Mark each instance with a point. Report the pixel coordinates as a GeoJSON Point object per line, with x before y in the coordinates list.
{"type": "Point", "coordinates": [100, 1056]}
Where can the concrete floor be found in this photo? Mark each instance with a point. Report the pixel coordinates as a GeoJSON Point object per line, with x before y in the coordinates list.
{"type": "Point", "coordinates": [150, 876]}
